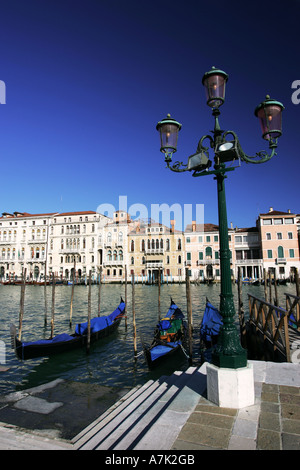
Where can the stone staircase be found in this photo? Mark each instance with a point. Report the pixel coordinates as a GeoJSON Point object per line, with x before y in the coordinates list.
{"type": "Point", "coordinates": [148, 417]}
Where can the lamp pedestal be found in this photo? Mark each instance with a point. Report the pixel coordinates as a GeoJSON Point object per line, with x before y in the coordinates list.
{"type": "Point", "coordinates": [230, 388]}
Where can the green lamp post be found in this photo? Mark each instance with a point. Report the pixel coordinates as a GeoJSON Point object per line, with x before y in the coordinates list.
{"type": "Point", "coordinates": [229, 352]}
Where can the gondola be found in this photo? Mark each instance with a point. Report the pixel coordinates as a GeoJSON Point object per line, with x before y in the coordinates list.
{"type": "Point", "coordinates": [100, 327]}
{"type": "Point", "coordinates": [210, 327]}
{"type": "Point", "coordinates": [169, 336]}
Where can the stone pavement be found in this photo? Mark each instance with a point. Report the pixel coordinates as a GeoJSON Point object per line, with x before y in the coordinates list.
{"type": "Point", "coordinates": [272, 423]}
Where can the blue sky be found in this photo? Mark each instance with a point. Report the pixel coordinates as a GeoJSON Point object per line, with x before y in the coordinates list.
{"type": "Point", "coordinates": [87, 82]}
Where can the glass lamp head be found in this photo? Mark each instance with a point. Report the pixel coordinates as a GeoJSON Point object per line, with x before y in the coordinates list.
{"type": "Point", "coordinates": [269, 113]}
{"type": "Point", "coordinates": [214, 82]}
{"type": "Point", "coordinates": [168, 129]}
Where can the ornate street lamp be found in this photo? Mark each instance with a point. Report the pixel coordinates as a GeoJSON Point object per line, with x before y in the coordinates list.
{"type": "Point", "coordinates": [226, 147]}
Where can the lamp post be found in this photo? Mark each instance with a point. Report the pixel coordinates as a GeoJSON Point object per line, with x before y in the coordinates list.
{"type": "Point", "coordinates": [229, 352]}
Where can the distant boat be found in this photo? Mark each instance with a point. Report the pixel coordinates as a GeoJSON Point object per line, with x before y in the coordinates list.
{"type": "Point", "coordinates": [168, 337]}
{"type": "Point", "coordinates": [100, 327]}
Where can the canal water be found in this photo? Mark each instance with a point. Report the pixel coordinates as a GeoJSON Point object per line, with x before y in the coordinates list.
{"type": "Point", "coordinates": [111, 361]}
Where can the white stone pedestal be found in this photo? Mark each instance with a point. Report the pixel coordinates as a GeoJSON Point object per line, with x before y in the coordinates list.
{"type": "Point", "coordinates": [230, 388]}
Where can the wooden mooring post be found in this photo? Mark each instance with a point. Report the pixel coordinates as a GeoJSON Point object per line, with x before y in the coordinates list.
{"type": "Point", "coordinates": [72, 296]}
{"type": "Point", "coordinates": [53, 306]}
{"type": "Point", "coordinates": [133, 317]}
{"type": "Point", "coordinates": [22, 300]}
{"type": "Point", "coordinates": [99, 292]}
{"type": "Point", "coordinates": [45, 297]}
{"type": "Point", "coordinates": [189, 312]}
{"type": "Point", "coordinates": [159, 279]}
{"type": "Point", "coordinates": [125, 297]}
{"type": "Point", "coordinates": [88, 341]}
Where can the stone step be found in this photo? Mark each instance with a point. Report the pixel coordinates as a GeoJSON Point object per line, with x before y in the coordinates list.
{"type": "Point", "coordinates": [124, 406]}
{"type": "Point", "coordinates": [125, 424]}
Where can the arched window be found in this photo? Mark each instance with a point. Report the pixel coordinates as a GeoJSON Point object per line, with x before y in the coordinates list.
{"type": "Point", "coordinates": [280, 252]}
{"type": "Point", "coordinates": [153, 244]}
{"type": "Point", "coordinates": [157, 244]}
{"type": "Point", "coordinates": [132, 260]}
{"type": "Point", "coordinates": [132, 245]}
{"type": "Point", "coordinates": [115, 255]}
{"type": "Point", "coordinates": [83, 245]}
{"type": "Point", "coordinates": [208, 252]}
{"type": "Point", "coordinates": [149, 244]}
{"type": "Point", "coordinates": [179, 244]}
{"type": "Point", "coordinates": [120, 237]}
{"type": "Point", "coordinates": [108, 238]}
{"type": "Point", "coordinates": [120, 255]}
{"type": "Point", "coordinates": [109, 255]}
{"type": "Point", "coordinates": [161, 243]}
{"type": "Point", "coordinates": [143, 245]}
{"type": "Point", "coordinates": [168, 244]}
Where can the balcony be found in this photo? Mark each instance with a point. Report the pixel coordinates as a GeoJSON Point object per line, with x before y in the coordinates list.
{"type": "Point", "coordinates": [247, 262]}
{"type": "Point", "coordinates": [280, 260]}
{"type": "Point", "coordinates": [111, 263]}
{"type": "Point", "coordinates": [154, 251]}
{"type": "Point", "coordinates": [154, 264]}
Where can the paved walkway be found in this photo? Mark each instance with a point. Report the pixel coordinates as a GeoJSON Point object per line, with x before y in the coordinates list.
{"type": "Point", "coordinates": [272, 423]}
{"type": "Point", "coordinates": [49, 413]}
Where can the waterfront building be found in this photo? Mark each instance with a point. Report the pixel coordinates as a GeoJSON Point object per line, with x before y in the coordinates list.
{"type": "Point", "coordinates": [202, 251]}
{"type": "Point", "coordinates": [113, 247]}
{"type": "Point", "coordinates": [24, 241]}
{"type": "Point", "coordinates": [247, 248]}
{"type": "Point", "coordinates": [74, 244]}
{"type": "Point", "coordinates": [279, 242]}
{"type": "Point", "coordinates": [79, 242]}
{"type": "Point", "coordinates": [152, 247]}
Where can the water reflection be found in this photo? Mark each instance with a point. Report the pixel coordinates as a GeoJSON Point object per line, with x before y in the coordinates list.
{"type": "Point", "coordinates": [111, 361]}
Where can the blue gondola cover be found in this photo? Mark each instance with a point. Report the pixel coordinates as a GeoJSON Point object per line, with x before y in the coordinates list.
{"type": "Point", "coordinates": [211, 323]}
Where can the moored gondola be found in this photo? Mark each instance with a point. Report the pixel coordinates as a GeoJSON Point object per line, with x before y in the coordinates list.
{"type": "Point", "coordinates": [210, 327]}
{"type": "Point", "coordinates": [100, 327]}
{"type": "Point", "coordinates": [169, 336]}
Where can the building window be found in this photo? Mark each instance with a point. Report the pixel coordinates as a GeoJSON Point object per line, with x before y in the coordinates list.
{"type": "Point", "coordinates": [200, 254]}
{"type": "Point", "coordinates": [215, 238]}
{"type": "Point", "coordinates": [279, 236]}
{"type": "Point", "coordinates": [270, 254]}
{"type": "Point", "coordinates": [267, 221]}
{"type": "Point", "coordinates": [268, 236]}
{"type": "Point", "coordinates": [188, 240]}
{"type": "Point", "coordinates": [208, 238]}
{"type": "Point", "coordinates": [179, 259]}
{"type": "Point", "coordinates": [278, 221]}
{"type": "Point", "coordinates": [292, 253]}
{"type": "Point", "coordinates": [280, 252]}
{"type": "Point", "coordinates": [289, 221]}
{"type": "Point", "coordinates": [188, 256]}
{"type": "Point", "coordinates": [200, 239]}
{"type": "Point", "coordinates": [238, 239]}
{"type": "Point", "coordinates": [290, 235]}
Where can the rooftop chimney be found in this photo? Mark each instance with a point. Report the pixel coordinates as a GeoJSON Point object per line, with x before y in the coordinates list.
{"type": "Point", "coordinates": [173, 225]}
{"type": "Point", "coordinates": [193, 225]}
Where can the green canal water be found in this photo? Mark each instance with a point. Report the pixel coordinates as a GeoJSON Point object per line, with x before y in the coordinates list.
{"type": "Point", "coordinates": [111, 361]}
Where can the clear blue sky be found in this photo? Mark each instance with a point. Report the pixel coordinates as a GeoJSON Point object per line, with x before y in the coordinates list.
{"type": "Point", "coordinates": [87, 82]}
